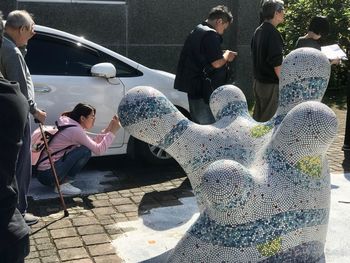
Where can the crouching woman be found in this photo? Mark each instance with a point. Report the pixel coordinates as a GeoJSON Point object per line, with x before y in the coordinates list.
{"type": "Point", "coordinates": [77, 145]}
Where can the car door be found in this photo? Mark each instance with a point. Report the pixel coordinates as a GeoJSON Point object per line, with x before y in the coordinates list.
{"type": "Point", "coordinates": [61, 74]}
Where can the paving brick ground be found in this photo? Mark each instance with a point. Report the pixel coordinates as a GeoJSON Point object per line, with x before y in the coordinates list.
{"type": "Point", "coordinates": [85, 236]}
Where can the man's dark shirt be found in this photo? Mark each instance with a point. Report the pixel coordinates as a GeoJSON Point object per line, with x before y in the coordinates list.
{"type": "Point", "coordinates": [14, 111]}
{"type": "Point", "coordinates": [201, 48]}
{"type": "Point", "coordinates": [267, 51]}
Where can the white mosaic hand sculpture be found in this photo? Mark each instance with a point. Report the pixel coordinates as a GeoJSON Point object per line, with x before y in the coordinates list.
{"type": "Point", "coordinates": [262, 188]}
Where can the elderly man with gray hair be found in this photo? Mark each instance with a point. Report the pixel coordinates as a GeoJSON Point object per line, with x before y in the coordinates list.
{"type": "Point", "coordinates": [19, 28]}
{"type": "Point", "coordinates": [267, 52]}
{"type": "Point", "coordinates": [14, 232]}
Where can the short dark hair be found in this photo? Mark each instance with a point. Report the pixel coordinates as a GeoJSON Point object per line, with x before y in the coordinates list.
{"type": "Point", "coordinates": [222, 12]}
{"type": "Point", "coordinates": [269, 8]}
{"type": "Point", "coordinates": [319, 25]}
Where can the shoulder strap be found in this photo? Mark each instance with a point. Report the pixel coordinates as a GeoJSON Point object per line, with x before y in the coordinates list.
{"type": "Point", "coordinates": [52, 154]}
{"type": "Point", "coordinates": [60, 128]}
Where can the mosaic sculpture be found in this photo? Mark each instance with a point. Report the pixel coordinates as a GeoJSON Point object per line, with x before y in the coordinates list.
{"type": "Point", "coordinates": [263, 189]}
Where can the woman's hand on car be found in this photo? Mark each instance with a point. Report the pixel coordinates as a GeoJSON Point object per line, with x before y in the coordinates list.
{"type": "Point", "coordinates": [113, 125]}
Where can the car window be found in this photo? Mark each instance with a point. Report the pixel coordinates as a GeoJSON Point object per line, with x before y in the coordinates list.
{"type": "Point", "coordinates": [123, 69]}
{"type": "Point", "coordinates": [52, 56]}
{"type": "Point", "coordinates": [49, 55]}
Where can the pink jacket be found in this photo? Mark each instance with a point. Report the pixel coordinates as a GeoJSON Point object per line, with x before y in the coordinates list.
{"type": "Point", "coordinates": [75, 136]}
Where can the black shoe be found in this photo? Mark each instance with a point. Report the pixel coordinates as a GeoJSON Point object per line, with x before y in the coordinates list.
{"type": "Point", "coordinates": [346, 147]}
{"type": "Point", "coordinates": [30, 219]}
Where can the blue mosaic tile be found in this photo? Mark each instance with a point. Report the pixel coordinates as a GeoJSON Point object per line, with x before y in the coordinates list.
{"type": "Point", "coordinates": [146, 108]}
{"type": "Point", "coordinates": [263, 189]}
{"type": "Point", "coordinates": [259, 231]}
{"type": "Point", "coordinates": [174, 134]}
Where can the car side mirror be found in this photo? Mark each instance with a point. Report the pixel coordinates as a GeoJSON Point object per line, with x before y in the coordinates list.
{"type": "Point", "coordinates": [104, 70]}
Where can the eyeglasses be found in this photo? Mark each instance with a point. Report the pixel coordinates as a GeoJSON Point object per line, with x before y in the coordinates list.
{"type": "Point", "coordinates": [280, 8]}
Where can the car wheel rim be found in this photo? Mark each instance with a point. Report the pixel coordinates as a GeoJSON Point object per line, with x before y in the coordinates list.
{"type": "Point", "coordinates": [159, 153]}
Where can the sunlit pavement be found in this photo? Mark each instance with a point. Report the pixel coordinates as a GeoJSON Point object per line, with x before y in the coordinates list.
{"type": "Point", "coordinates": [131, 212]}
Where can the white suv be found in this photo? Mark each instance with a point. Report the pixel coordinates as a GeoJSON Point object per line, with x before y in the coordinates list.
{"type": "Point", "coordinates": [67, 69]}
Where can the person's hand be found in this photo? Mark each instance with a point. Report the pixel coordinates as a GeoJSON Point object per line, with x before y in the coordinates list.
{"type": "Point", "coordinates": [40, 115]}
{"type": "Point", "coordinates": [113, 125]}
{"type": "Point", "coordinates": [230, 55]}
{"type": "Point", "coordinates": [335, 61]}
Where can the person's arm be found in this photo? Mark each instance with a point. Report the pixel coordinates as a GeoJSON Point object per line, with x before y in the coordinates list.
{"type": "Point", "coordinates": [113, 127]}
{"type": "Point", "coordinates": [275, 53]}
{"type": "Point", "coordinates": [39, 115]}
{"type": "Point", "coordinates": [335, 61]}
{"type": "Point", "coordinates": [14, 69]}
{"type": "Point", "coordinates": [228, 56]}
{"type": "Point", "coordinates": [211, 48]}
{"type": "Point", "coordinates": [11, 63]}
{"type": "Point", "coordinates": [80, 137]}
{"type": "Point", "coordinates": [99, 148]}
{"type": "Point", "coordinates": [278, 71]}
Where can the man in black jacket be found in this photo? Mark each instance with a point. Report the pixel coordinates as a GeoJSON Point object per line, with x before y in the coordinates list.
{"type": "Point", "coordinates": [14, 232]}
{"type": "Point", "coordinates": [202, 65]}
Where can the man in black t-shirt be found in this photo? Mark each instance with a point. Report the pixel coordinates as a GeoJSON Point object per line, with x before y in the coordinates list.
{"type": "Point", "coordinates": [202, 64]}
{"type": "Point", "coordinates": [14, 232]}
{"type": "Point", "coordinates": [267, 52]}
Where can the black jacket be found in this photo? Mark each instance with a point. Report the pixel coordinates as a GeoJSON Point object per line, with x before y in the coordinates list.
{"type": "Point", "coordinates": [13, 115]}
{"type": "Point", "coordinates": [194, 67]}
{"type": "Point", "coordinates": [267, 53]}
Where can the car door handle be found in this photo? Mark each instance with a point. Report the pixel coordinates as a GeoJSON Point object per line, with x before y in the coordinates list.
{"type": "Point", "coordinates": [42, 89]}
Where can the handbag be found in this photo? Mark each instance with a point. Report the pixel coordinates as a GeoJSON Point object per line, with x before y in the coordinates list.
{"type": "Point", "coordinates": [213, 78]}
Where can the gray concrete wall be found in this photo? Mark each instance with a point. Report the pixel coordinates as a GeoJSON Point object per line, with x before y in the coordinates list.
{"type": "Point", "coordinates": [151, 32]}
{"type": "Point", "coordinates": [248, 20]}
{"type": "Point", "coordinates": [159, 35]}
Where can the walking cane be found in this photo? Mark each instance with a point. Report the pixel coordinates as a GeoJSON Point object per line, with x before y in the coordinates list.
{"type": "Point", "coordinates": [53, 168]}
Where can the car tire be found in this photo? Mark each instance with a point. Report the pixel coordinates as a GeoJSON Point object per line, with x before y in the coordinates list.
{"type": "Point", "coordinates": [148, 153]}
{"type": "Point", "coordinates": [151, 154]}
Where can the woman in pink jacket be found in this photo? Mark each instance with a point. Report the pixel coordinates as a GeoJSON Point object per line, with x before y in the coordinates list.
{"type": "Point", "coordinates": [77, 147]}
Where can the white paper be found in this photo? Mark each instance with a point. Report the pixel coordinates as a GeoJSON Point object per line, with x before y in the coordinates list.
{"type": "Point", "coordinates": [334, 52]}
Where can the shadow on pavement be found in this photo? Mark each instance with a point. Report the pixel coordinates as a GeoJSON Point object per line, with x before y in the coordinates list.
{"type": "Point", "coordinates": [164, 199]}
{"type": "Point", "coordinates": [102, 175]}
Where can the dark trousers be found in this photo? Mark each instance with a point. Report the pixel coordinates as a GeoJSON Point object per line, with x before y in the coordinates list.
{"type": "Point", "coordinates": [266, 100]}
{"type": "Point", "coordinates": [15, 253]}
{"type": "Point", "coordinates": [200, 111]}
{"type": "Point", "coordinates": [67, 167]}
{"type": "Point", "coordinates": [24, 169]}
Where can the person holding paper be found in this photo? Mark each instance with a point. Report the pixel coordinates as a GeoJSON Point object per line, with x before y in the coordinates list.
{"type": "Point", "coordinates": [318, 27]}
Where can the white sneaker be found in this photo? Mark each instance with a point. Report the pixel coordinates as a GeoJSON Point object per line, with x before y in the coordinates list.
{"type": "Point", "coordinates": [68, 189]}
